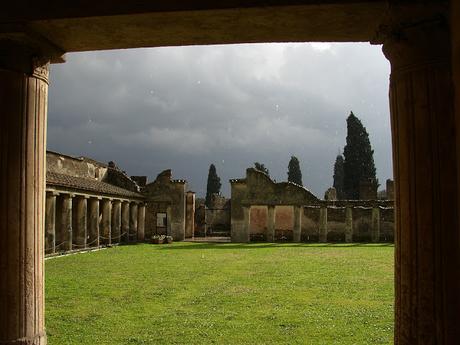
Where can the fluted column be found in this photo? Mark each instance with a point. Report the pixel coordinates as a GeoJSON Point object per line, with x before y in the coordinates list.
{"type": "Point", "coordinates": [50, 223]}
{"type": "Point", "coordinates": [133, 222]}
{"type": "Point", "coordinates": [80, 222]}
{"type": "Point", "coordinates": [23, 99]}
{"type": "Point", "coordinates": [348, 224]}
{"type": "Point", "coordinates": [141, 223]}
{"type": "Point", "coordinates": [116, 221]}
{"type": "Point", "coordinates": [323, 224]}
{"type": "Point", "coordinates": [297, 233]}
{"type": "Point", "coordinates": [66, 229]}
{"type": "Point", "coordinates": [168, 221]}
{"type": "Point", "coordinates": [271, 223]}
{"type": "Point", "coordinates": [427, 308]}
{"type": "Point", "coordinates": [124, 222]}
{"type": "Point", "coordinates": [106, 223]}
{"type": "Point", "coordinates": [375, 225]}
{"type": "Point", "coordinates": [93, 222]}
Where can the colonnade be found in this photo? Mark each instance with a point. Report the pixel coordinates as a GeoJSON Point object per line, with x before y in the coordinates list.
{"type": "Point", "coordinates": [322, 223]}
{"type": "Point", "coordinates": [81, 221]}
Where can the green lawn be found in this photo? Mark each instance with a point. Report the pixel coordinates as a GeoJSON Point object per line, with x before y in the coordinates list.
{"type": "Point", "coordinates": [194, 293]}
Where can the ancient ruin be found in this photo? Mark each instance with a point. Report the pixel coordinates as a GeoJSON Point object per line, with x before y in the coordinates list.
{"type": "Point", "coordinates": [420, 39]}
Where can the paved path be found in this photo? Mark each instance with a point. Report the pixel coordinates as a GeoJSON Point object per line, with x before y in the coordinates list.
{"type": "Point", "coordinates": [209, 239]}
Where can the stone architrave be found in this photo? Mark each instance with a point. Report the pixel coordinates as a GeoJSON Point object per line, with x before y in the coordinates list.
{"type": "Point", "coordinates": [106, 222]}
{"type": "Point", "coordinates": [23, 98]}
{"type": "Point", "coordinates": [271, 223]}
{"type": "Point", "coordinates": [297, 233]}
{"type": "Point", "coordinates": [427, 244]}
{"type": "Point", "coordinates": [50, 223]}
{"type": "Point", "coordinates": [116, 221]}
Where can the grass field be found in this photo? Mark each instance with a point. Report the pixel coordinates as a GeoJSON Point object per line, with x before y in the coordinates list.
{"type": "Point", "coordinates": [193, 293]}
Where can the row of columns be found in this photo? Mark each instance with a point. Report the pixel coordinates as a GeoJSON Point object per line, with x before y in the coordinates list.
{"type": "Point", "coordinates": [78, 222]}
{"type": "Point", "coordinates": [297, 230]}
{"type": "Point", "coordinates": [322, 224]}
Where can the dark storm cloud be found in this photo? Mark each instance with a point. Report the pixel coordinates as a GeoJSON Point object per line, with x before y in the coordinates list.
{"type": "Point", "coordinates": [184, 108]}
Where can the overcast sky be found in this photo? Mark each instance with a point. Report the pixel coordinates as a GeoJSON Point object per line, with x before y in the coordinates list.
{"type": "Point", "coordinates": [187, 107]}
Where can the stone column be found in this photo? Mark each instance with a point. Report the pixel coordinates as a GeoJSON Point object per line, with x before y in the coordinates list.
{"type": "Point", "coordinates": [106, 223]}
{"type": "Point", "coordinates": [66, 222]}
{"type": "Point", "coordinates": [23, 99]}
{"type": "Point", "coordinates": [427, 249]}
{"type": "Point", "coordinates": [375, 225]}
{"type": "Point", "coordinates": [80, 231]}
{"type": "Point", "coordinates": [116, 222]}
{"type": "Point", "coordinates": [168, 221]}
{"type": "Point", "coordinates": [141, 223]}
{"type": "Point", "coordinates": [247, 223]}
{"type": "Point", "coordinates": [348, 225]}
{"type": "Point", "coordinates": [124, 222]}
{"type": "Point", "coordinates": [271, 223]}
{"type": "Point", "coordinates": [93, 223]}
{"type": "Point", "coordinates": [133, 222]}
{"type": "Point", "coordinates": [50, 223]}
{"type": "Point", "coordinates": [297, 233]}
{"type": "Point", "coordinates": [323, 224]}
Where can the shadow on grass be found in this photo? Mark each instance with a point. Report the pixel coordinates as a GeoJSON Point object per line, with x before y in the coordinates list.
{"type": "Point", "coordinates": [264, 245]}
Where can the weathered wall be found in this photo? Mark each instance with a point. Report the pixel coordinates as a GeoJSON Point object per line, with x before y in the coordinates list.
{"type": "Point", "coordinates": [79, 167]}
{"type": "Point", "coordinates": [340, 221]}
{"type": "Point", "coordinates": [362, 224]}
{"type": "Point", "coordinates": [190, 214]}
{"type": "Point", "coordinates": [238, 231]}
{"type": "Point", "coordinates": [336, 224]}
{"type": "Point", "coordinates": [310, 224]}
{"type": "Point", "coordinates": [258, 189]}
{"type": "Point", "coordinates": [258, 225]}
{"type": "Point", "coordinates": [165, 191]}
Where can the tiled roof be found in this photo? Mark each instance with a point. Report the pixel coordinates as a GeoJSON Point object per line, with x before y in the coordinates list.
{"type": "Point", "coordinates": [87, 184]}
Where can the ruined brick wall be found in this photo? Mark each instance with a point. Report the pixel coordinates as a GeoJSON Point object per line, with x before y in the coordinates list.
{"type": "Point", "coordinates": [164, 190]}
{"type": "Point", "coordinates": [336, 223]}
{"type": "Point", "coordinates": [310, 224]}
{"type": "Point", "coordinates": [258, 189]}
{"type": "Point", "coordinates": [74, 166]}
{"type": "Point", "coordinates": [119, 178]}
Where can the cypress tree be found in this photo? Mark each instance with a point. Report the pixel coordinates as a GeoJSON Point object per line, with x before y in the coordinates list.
{"type": "Point", "coordinates": [213, 185]}
{"type": "Point", "coordinates": [294, 173]}
{"type": "Point", "coordinates": [358, 157]}
{"type": "Point", "coordinates": [338, 177]}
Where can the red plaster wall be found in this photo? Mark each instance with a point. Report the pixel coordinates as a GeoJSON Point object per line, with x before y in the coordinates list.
{"type": "Point", "coordinates": [258, 219]}
{"type": "Point", "coordinates": [284, 218]}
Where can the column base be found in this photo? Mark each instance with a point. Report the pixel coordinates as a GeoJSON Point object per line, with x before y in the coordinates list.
{"type": "Point", "coordinates": [37, 340]}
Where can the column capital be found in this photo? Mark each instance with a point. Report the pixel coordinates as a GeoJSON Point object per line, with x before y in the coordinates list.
{"type": "Point", "coordinates": [24, 50]}
{"type": "Point", "coordinates": [414, 36]}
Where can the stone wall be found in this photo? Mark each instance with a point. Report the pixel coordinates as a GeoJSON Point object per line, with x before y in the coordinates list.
{"type": "Point", "coordinates": [259, 189]}
{"type": "Point", "coordinates": [166, 195]}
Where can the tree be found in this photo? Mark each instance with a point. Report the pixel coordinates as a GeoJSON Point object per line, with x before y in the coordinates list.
{"type": "Point", "coordinates": [358, 158]}
{"type": "Point", "coordinates": [261, 167]}
{"type": "Point", "coordinates": [294, 173]}
{"type": "Point", "coordinates": [338, 177]}
{"type": "Point", "coordinates": [213, 186]}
